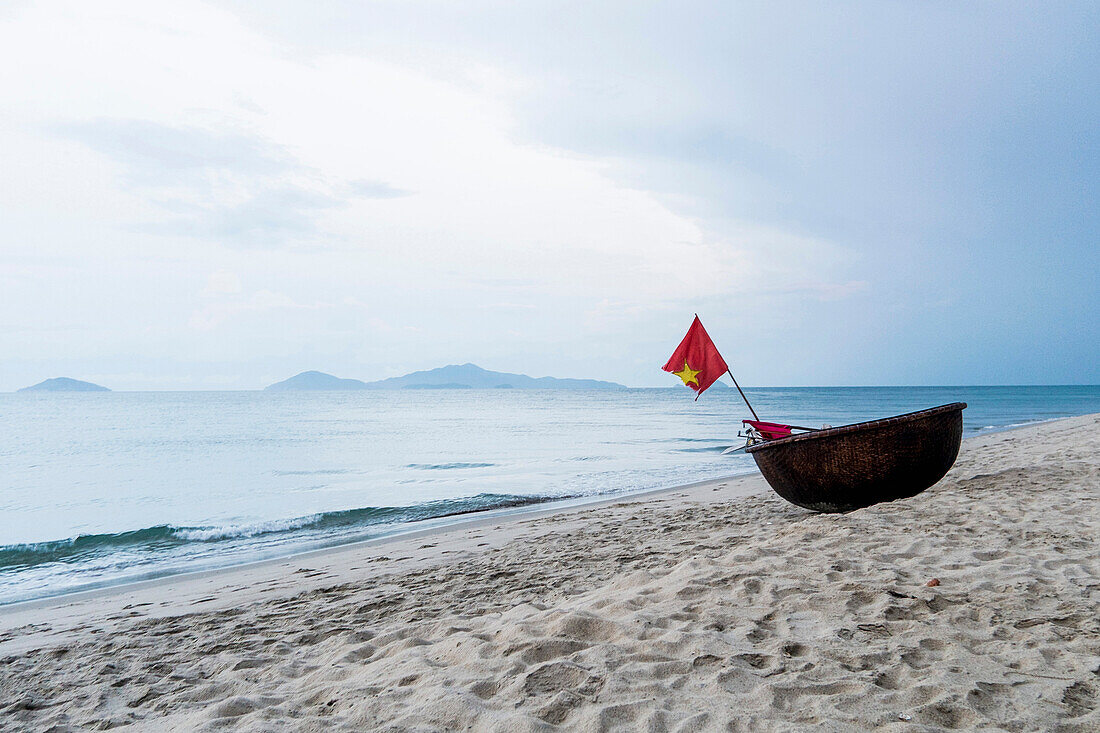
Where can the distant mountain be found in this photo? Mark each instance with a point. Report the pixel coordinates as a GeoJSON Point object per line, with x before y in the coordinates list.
{"type": "Point", "coordinates": [315, 381]}
{"type": "Point", "coordinates": [471, 376]}
{"type": "Point", "coordinates": [464, 376]}
{"type": "Point", "coordinates": [64, 384]}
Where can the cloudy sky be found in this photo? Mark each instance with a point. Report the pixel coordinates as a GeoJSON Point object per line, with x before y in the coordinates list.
{"type": "Point", "coordinates": [217, 195]}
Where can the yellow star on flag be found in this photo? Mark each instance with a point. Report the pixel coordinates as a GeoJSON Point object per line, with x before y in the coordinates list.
{"type": "Point", "coordinates": [688, 375]}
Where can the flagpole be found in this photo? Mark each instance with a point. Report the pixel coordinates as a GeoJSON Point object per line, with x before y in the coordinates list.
{"type": "Point", "coordinates": [746, 399]}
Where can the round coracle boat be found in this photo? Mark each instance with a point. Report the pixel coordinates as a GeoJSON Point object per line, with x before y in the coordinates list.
{"type": "Point", "coordinates": [854, 466]}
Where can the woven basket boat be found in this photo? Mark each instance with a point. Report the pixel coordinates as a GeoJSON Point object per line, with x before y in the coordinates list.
{"type": "Point", "coordinates": [853, 466]}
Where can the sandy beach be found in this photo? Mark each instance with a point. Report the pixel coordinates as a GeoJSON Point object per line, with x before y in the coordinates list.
{"type": "Point", "coordinates": [712, 607]}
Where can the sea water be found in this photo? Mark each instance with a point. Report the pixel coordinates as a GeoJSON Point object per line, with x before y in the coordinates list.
{"type": "Point", "coordinates": [105, 488]}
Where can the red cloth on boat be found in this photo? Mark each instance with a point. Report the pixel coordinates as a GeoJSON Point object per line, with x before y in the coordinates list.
{"type": "Point", "coordinates": [696, 360]}
{"type": "Point", "coordinates": [770, 430]}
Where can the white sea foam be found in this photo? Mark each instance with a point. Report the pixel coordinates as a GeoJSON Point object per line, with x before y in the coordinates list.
{"type": "Point", "coordinates": [234, 531]}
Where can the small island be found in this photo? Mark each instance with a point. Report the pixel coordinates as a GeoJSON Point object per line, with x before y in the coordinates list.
{"type": "Point", "coordinates": [455, 376]}
{"type": "Point", "coordinates": [64, 384]}
{"type": "Point", "coordinates": [313, 381]}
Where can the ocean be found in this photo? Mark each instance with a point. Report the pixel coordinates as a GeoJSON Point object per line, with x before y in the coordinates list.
{"type": "Point", "coordinates": [104, 488]}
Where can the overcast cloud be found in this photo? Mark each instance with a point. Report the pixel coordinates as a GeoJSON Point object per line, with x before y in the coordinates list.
{"type": "Point", "coordinates": [218, 195]}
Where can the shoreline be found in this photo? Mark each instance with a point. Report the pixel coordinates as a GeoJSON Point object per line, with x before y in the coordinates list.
{"type": "Point", "coordinates": [472, 520]}
{"type": "Point", "coordinates": [412, 530]}
{"type": "Point", "coordinates": [712, 605]}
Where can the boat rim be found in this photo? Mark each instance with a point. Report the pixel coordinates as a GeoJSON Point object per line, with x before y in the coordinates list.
{"type": "Point", "coordinates": [856, 427]}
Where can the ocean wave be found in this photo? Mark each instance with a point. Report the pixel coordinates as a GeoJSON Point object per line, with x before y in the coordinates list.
{"type": "Point", "coordinates": [164, 537]}
{"type": "Point", "coordinates": [706, 449]}
{"type": "Point", "coordinates": [447, 466]}
{"type": "Point", "coordinates": [695, 440]}
{"type": "Point", "coordinates": [242, 531]}
{"type": "Point", "coordinates": [1023, 424]}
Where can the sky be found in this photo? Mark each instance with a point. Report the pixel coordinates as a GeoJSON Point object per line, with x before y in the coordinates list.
{"type": "Point", "coordinates": [218, 195]}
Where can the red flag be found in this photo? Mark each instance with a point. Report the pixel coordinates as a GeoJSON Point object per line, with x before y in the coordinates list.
{"type": "Point", "coordinates": [696, 360]}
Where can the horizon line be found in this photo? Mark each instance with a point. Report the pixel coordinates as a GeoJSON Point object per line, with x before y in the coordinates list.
{"type": "Point", "coordinates": [576, 389]}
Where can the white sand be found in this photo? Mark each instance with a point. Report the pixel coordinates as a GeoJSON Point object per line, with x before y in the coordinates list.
{"type": "Point", "coordinates": [692, 609]}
